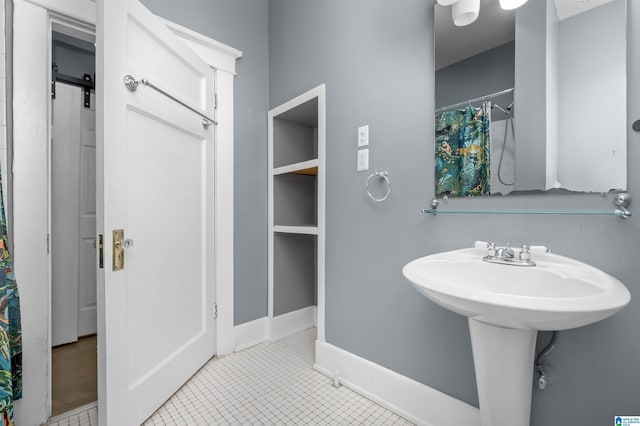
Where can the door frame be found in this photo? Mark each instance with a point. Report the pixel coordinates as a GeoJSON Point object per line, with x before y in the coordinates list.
{"type": "Point", "coordinates": [32, 26]}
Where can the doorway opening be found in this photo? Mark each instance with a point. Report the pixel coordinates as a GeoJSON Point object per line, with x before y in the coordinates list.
{"type": "Point", "coordinates": [72, 204]}
{"type": "Point", "coordinates": [33, 23]}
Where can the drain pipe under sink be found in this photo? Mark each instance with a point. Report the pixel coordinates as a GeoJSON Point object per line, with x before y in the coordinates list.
{"type": "Point", "coordinates": [543, 374]}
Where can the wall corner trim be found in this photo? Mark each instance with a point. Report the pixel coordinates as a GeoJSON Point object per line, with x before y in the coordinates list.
{"type": "Point", "coordinates": [251, 333]}
{"type": "Point", "coordinates": [217, 54]}
{"type": "Point", "coordinates": [406, 397]}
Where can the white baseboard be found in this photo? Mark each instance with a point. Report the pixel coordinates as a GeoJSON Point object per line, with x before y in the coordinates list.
{"type": "Point", "coordinates": [412, 400]}
{"type": "Point", "coordinates": [258, 331]}
{"type": "Point", "coordinates": [292, 322]}
{"type": "Point", "coordinates": [251, 333]}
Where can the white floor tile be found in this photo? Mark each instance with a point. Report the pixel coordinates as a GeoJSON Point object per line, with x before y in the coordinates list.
{"type": "Point", "coordinates": [269, 384]}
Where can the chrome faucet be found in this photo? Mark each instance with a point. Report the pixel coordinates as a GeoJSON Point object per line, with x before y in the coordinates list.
{"type": "Point", "coordinates": [505, 252]}
{"type": "Point", "coordinates": [507, 256]}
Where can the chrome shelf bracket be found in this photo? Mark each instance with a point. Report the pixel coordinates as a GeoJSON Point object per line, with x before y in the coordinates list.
{"type": "Point", "coordinates": [622, 201]}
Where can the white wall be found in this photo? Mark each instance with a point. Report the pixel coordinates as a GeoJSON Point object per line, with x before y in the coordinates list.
{"type": "Point", "coordinates": [592, 53]}
{"type": "Point", "coordinates": [3, 105]}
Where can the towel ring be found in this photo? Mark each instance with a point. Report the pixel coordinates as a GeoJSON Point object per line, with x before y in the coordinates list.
{"type": "Point", "coordinates": [384, 175]}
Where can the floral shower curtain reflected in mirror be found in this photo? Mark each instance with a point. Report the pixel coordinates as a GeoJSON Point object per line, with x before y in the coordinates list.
{"type": "Point", "coordinates": [462, 151]}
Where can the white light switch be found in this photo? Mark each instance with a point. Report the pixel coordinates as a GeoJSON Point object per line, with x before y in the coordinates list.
{"type": "Point", "coordinates": [363, 160]}
{"type": "Point", "coordinates": [363, 136]}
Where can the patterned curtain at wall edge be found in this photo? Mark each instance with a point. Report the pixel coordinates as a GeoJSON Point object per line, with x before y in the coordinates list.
{"type": "Point", "coordinates": [10, 327]}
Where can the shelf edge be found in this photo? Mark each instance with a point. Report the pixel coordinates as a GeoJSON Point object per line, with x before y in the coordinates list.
{"type": "Point", "coordinates": [306, 230]}
{"type": "Point", "coordinates": [296, 167]}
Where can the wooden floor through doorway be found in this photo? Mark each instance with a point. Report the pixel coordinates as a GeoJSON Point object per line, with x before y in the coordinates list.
{"type": "Point", "coordinates": [74, 375]}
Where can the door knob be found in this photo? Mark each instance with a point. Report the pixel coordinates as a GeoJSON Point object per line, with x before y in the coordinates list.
{"type": "Point", "coordinates": [125, 244]}
{"type": "Point", "coordinates": [119, 244]}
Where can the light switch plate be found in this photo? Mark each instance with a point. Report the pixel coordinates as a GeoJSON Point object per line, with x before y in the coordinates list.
{"type": "Point", "coordinates": [363, 136]}
{"type": "Point", "coordinates": [363, 160]}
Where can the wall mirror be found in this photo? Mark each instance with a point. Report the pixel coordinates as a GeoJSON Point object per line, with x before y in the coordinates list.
{"type": "Point", "coordinates": [532, 99]}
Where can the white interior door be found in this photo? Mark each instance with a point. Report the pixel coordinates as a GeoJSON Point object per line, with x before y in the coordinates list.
{"type": "Point", "coordinates": [65, 188]}
{"type": "Point", "coordinates": [155, 174]}
{"type": "Point", "coordinates": [73, 215]}
{"type": "Point", "coordinates": [87, 291]}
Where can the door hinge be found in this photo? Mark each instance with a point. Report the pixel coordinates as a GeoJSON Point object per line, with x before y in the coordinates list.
{"type": "Point", "coordinates": [215, 310]}
{"type": "Point", "coordinates": [215, 101]}
{"type": "Point", "coordinates": [54, 71]}
{"type": "Point", "coordinates": [48, 245]}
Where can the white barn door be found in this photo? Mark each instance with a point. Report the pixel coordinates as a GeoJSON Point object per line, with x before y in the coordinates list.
{"type": "Point", "coordinates": [73, 227]}
{"type": "Point", "coordinates": [87, 317]}
{"type": "Point", "coordinates": [155, 168]}
{"type": "Point", "coordinates": [65, 182]}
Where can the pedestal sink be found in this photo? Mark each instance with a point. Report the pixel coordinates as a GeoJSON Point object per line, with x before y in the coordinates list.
{"type": "Point", "coordinates": [506, 305]}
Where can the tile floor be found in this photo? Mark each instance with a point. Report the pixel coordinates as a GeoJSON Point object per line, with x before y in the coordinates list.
{"type": "Point", "coordinates": [269, 384]}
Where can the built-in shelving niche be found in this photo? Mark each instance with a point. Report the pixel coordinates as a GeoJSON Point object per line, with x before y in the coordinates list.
{"type": "Point", "coordinates": [296, 213]}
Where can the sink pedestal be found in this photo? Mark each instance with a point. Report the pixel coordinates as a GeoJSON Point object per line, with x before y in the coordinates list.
{"type": "Point", "coordinates": [503, 359]}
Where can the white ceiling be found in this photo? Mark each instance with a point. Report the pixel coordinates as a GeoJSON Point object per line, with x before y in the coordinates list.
{"type": "Point", "coordinates": [568, 8]}
{"type": "Point", "coordinates": [493, 27]}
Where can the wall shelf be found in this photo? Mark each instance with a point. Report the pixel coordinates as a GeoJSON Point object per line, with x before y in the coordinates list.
{"type": "Point", "coordinates": [307, 230]}
{"type": "Point", "coordinates": [311, 171]}
{"type": "Point", "coordinates": [615, 212]}
{"type": "Point", "coordinates": [309, 167]}
{"type": "Point", "coordinates": [621, 200]}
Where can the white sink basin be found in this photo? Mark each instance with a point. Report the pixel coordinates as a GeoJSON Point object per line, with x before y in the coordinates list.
{"type": "Point", "coordinates": [506, 306]}
{"type": "Point", "coordinates": [558, 293]}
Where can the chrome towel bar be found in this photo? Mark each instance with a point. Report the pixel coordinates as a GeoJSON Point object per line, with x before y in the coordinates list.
{"type": "Point", "coordinates": [132, 84]}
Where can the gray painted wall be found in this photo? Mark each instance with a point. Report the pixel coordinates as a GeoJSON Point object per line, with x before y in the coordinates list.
{"type": "Point", "coordinates": [241, 24]}
{"type": "Point", "coordinates": [531, 94]}
{"type": "Point", "coordinates": [487, 72]}
{"type": "Point", "coordinates": [376, 59]}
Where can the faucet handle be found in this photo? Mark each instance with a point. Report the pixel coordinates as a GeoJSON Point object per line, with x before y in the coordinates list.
{"type": "Point", "coordinates": [491, 249]}
{"type": "Point", "coordinates": [508, 251]}
{"type": "Point", "coordinates": [525, 252]}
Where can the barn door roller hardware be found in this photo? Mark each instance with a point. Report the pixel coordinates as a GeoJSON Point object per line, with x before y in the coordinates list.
{"type": "Point", "coordinates": [86, 82]}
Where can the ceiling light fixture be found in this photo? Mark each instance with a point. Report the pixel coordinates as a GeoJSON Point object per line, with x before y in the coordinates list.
{"type": "Point", "coordinates": [511, 4]}
{"type": "Point", "coordinates": [464, 12]}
